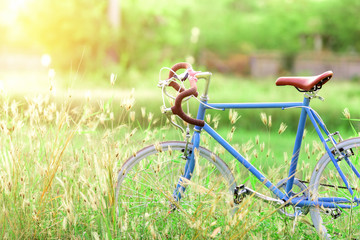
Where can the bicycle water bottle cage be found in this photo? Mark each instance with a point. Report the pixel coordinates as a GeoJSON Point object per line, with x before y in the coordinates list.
{"type": "Point", "coordinates": [306, 84]}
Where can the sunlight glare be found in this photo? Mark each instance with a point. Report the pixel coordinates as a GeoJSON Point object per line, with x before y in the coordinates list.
{"type": "Point", "coordinates": [46, 60]}
{"type": "Point", "coordinates": [16, 5]}
{"type": "Point", "coordinates": [10, 10]}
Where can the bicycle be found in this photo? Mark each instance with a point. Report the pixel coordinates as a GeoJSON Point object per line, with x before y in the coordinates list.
{"type": "Point", "coordinates": [182, 175]}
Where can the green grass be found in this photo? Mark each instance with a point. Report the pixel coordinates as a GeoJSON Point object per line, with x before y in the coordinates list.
{"type": "Point", "coordinates": [60, 158]}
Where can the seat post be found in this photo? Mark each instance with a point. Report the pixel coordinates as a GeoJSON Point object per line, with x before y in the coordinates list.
{"type": "Point", "coordinates": [298, 141]}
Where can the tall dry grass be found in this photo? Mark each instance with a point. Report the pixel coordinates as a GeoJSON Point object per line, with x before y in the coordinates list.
{"type": "Point", "coordinates": [58, 164]}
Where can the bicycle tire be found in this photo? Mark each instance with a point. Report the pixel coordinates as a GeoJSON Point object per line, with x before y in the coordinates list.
{"type": "Point", "coordinates": [146, 182]}
{"type": "Point", "coordinates": [326, 182]}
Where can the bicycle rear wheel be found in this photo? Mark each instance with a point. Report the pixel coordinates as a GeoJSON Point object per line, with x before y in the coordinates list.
{"type": "Point", "coordinates": [326, 182]}
{"type": "Point", "coordinates": [147, 180]}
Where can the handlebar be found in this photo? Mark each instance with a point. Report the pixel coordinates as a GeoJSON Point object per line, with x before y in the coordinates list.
{"type": "Point", "coordinates": [177, 108]}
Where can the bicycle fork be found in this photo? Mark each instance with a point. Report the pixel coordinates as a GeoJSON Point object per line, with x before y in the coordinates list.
{"type": "Point", "coordinates": [189, 156]}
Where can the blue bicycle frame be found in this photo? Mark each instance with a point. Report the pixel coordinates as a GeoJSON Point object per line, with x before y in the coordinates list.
{"type": "Point", "coordinates": [287, 196]}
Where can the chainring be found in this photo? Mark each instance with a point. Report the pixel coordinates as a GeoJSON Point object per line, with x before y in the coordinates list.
{"type": "Point", "coordinates": [299, 190]}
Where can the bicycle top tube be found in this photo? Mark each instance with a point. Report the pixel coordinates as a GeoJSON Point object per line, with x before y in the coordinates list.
{"type": "Point", "coordinates": [282, 105]}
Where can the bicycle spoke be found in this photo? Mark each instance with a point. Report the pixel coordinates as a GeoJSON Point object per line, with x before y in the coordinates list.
{"type": "Point", "coordinates": [147, 186]}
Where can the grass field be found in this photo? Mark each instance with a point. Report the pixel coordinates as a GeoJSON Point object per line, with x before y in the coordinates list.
{"type": "Point", "coordinates": [60, 157]}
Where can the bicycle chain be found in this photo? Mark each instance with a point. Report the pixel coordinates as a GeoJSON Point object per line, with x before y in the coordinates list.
{"type": "Point", "coordinates": [327, 185]}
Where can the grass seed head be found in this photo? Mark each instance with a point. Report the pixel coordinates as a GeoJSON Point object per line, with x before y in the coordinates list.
{"type": "Point", "coordinates": [262, 146]}
{"type": "Point", "coordinates": [255, 153]}
{"type": "Point", "coordinates": [113, 78]}
{"type": "Point", "coordinates": [269, 121]}
{"type": "Point", "coordinates": [215, 232]}
{"type": "Point", "coordinates": [213, 157]}
{"type": "Point", "coordinates": [264, 118]}
{"type": "Point", "coordinates": [233, 116]}
{"type": "Point", "coordinates": [305, 132]}
{"type": "Point", "coordinates": [150, 116]}
{"type": "Point", "coordinates": [216, 124]}
{"type": "Point", "coordinates": [208, 118]}
{"type": "Point", "coordinates": [286, 158]}
{"type": "Point", "coordinates": [132, 116]}
{"type": "Point", "coordinates": [128, 103]}
{"type": "Point", "coordinates": [158, 147]}
{"type": "Point", "coordinates": [230, 136]}
{"type": "Point", "coordinates": [257, 139]}
{"type": "Point", "coordinates": [143, 112]}
{"type": "Point", "coordinates": [346, 113]}
{"type": "Point", "coordinates": [307, 147]}
{"type": "Point", "coordinates": [88, 96]}
{"type": "Point", "coordinates": [282, 128]}
{"type": "Point", "coordinates": [102, 118]}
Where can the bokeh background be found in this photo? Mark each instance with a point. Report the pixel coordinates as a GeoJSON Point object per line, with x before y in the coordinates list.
{"type": "Point", "coordinates": [231, 36]}
{"type": "Point", "coordinates": [78, 44]}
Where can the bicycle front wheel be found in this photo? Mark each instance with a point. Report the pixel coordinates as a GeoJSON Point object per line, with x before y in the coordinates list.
{"type": "Point", "coordinates": [147, 180]}
{"type": "Point", "coordinates": [342, 222]}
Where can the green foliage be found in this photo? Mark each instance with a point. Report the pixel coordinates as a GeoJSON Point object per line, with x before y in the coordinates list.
{"type": "Point", "coordinates": [341, 25]}
{"type": "Point", "coordinates": [153, 32]}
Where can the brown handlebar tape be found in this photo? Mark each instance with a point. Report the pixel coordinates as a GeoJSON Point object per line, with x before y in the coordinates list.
{"type": "Point", "coordinates": [176, 86]}
{"type": "Point", "coordinates": [178, 110]}
{"type": "Point", "coordinates": [177, 66]}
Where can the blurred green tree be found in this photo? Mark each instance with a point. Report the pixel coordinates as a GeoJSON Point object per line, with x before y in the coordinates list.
{"type": "Point", "coordinates": [341, 23]}
{"type": "Point", "coordinates": [157, 32]}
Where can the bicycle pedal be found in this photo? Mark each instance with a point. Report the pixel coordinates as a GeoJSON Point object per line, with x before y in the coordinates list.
{"type": "Point", "coordinates": [240, 193]}
{"type": "Point", "coordinates": [172, 208]}
{"type": "Point", "coordinates": [335, 213]}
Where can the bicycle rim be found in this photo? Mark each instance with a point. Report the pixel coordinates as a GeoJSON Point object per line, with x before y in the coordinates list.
{"type": "Point", "coordinates": [326, 182]}
{"type": "Point", "coordinates": [146, 183]}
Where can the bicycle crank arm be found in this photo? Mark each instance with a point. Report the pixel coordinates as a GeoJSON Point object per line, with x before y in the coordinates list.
{"type": "Point", "coordinates": [241, 192]}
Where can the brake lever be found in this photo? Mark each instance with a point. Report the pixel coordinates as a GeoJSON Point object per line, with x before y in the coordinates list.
{"type": "Point", "coordinates": [168, 113]}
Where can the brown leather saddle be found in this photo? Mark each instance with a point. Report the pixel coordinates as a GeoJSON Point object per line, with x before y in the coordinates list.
{"type": "Point", "coordinates": [305, 84]}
